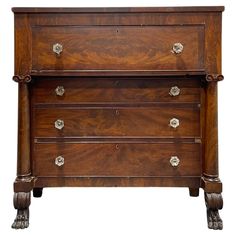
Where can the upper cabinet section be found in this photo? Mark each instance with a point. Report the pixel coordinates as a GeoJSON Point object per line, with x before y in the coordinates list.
{"type": "Point", "coordinates": [86, 41]}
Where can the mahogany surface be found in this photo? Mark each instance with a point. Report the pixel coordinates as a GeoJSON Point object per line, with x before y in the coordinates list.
{"type": "Point", "coordinates": [106, 159]}
{"type": "Point", "coordinates": [118, 68]}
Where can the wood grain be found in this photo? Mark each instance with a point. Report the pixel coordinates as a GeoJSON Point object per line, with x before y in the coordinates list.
{"type": "Point", "coordinates": [117, 159]}
{"type": "Point", "coordinates": [117, 67]}
{"type": "Point", "coordinates": [173, 181]}
{"type": "Point", "coordinates": [119, 122]}
{"type": "Point", "coordinates": [118, 47]}
{"type": "Point", "coordinates": [114, 90]}
{"type": "Point", "coordinates": [211, 132]}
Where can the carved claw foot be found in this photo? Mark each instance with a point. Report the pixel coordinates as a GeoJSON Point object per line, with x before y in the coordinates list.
{"type": "Point", "coordinates": [214, 220]}
{"type": "Point", "coordinates": [22, 219]}
{"type": "Point", "coordinates": [214, 202]}
{"type": "Point", "coordinates": [21, 203]}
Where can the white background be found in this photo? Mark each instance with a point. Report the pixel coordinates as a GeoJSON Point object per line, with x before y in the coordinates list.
{"type": "Point", "coordinates": [116, 211]}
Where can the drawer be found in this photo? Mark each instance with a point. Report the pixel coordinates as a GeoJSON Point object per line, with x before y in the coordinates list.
{"type": "Point", "coordinates": [106, 159]}
{"type": "Point", "coordinates": [166, 47]}
{"type": "Point", "coordinates": [119, 121]}
{"type": "Point", "coordinates": [89, 90]}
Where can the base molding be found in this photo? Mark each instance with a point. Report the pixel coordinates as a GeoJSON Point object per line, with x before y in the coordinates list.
{"type": "Point", "coordinates": [163, 181]}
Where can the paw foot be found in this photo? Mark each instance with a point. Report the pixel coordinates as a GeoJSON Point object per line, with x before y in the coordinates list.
{"type": "Point", "coordinates": [214, 220]}
{"type": "Point", "coordinates": [22, 219]}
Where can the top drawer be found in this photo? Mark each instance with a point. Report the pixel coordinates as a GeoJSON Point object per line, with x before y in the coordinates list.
{"type": "Point", "coordinates": [172, 47]}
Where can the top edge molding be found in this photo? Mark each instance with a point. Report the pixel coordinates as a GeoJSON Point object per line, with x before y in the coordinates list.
{"type": "Point", "coordinates": [118, 9]}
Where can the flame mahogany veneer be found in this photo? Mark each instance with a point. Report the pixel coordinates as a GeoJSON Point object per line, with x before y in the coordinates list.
{"type": "Point", "coordinates": [117, 97]}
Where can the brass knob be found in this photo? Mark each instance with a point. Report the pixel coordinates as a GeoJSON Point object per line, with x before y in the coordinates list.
{"type": "Point", "coordinates": [174, 123]}
{"type": "Point", "coordinates": [59, 161]}
{"type": "Point", "coordinates": [57, 48]}
{"type": "Point", "coordinates": [174, 161]}
{"type": "Point", "coordinates": [60, 90]}
{"type": "Point", "coordinates": [177, 48]}
{"type": "Point", "coordinates": [174, 91]}
{"type": "Point", "coordinates": [59, 124]}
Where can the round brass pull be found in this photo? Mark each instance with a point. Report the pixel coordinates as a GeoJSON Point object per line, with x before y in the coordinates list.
{"type": "Point", "coordinates": [174, 91]}
{"type": "Point", "coordinates": [57, 48]}
{"type": "Point", "coordinates": [59, 124]}
{"type": "Point", "coordinates": [177, 48]}
{"type": "Point", "coordinates": [59, 161]}
{"type": "Point", "coordinates": [174, 161]}
{"type": "Point", "coordinates": [60, 90]}
{"type": "Point", "coordinates": [174, 123]}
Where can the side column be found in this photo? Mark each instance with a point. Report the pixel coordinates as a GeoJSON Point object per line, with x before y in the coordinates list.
{"type": "Point", "coordinates": [210, 180]}
{"type": "Point", "coordinates": [24, 180]}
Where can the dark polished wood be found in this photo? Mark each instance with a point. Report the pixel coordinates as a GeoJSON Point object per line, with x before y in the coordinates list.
{"type": "Point", "coordinates": [117, 122]}
{"type": "Point", "coordinates": [163, 181]}
{"type": "Point", "coordinates": [115, 90]}
{"type": "Point", "coordinates": [115, 78]}
{"type": "Point", "coordinates": [23, 166]}
{"type": "Point", "coordinates": [86, 48]}
{"type": "Point", "coordinates": [114, 160]}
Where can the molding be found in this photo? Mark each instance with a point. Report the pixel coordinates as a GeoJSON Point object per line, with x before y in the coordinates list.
{"type": "Point", "coordinates": [211, 184]}
{"type": "Point", "coordinates": [24, 184]}
{"type": "Point", "coordinates": [210, 178]}
{"type": "Point", "coordinates": [214, 77]}
{"type": "Point", "coordinates": [26, 179]}
{"type": "Point", "coordinates": [22, 78]}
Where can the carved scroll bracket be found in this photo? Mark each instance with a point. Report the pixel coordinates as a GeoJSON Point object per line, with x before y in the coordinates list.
{"type": "Point", "coordinates": [214, 77]}
{"type": "Point", "coordinates": [22, 78]}
{"type": "Point", "coordinates": [21, 203]}
{"type": "Point", "coordinates": [214, 202]}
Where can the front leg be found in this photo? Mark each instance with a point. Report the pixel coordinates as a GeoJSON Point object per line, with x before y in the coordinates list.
{"type": "Point", "coordinates": [21, 203]}
{"type": "Point", "coordinates": [214, 202]}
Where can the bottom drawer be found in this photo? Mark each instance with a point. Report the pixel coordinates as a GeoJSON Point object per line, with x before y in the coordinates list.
{"type": "Point", "coordinates": [109, 159]}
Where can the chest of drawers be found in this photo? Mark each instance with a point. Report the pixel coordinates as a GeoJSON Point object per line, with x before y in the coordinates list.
{"type": "Point", "coordinates": [117, 97]}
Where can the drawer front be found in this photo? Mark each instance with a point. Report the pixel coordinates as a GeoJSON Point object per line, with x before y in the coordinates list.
{"type": "Point", "coordinates": [117, 48]}
{"type": "Point", "coordinates": [123, 121]}
{"type": "Point", "coordinates": [79, 91]}
{"type": "Point", "coordinates": [106, 159]}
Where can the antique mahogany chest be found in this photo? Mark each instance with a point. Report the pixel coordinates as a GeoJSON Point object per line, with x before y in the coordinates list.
{"type": "Point", "coordinates": [117, 97]}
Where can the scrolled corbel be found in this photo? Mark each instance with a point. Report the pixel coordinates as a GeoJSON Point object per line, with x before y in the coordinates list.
{"type": "Point", "coordinates": [214, 77]}
{"type": "Point", "coordinates": [22, 78]}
